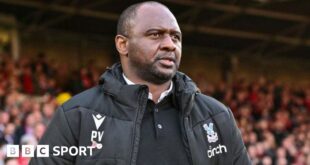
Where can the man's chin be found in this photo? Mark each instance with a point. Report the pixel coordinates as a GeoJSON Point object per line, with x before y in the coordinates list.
{"type": "Point", "coordinates": [166, 74]}
{"type": "Point", "coordinates": [161, 74]}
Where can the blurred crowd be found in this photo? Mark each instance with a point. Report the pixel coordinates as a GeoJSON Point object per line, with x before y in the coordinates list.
{"type": "Point", "coordinates": [274, 118]}
{"type": "Point", "coordinates": [30, 92]}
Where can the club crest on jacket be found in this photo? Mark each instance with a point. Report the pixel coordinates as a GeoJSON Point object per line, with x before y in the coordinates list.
{"type": "Point", "coordinates": [211, 134]}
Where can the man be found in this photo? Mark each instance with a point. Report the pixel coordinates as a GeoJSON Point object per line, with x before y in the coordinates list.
{"type": "Point", "coordinates": [144, 112]}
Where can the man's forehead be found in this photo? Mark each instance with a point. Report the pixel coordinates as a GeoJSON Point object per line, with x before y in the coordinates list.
{"type": "Point", "coordinates": [155, 16]}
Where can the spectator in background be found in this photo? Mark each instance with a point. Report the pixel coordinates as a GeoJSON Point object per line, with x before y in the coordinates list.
{"type": "Point", "coordinates": [4, 120]}
{"type": "Point", "coordinates": [28, 80]}
{"type": "Point", "coordinates": [24, 128]}
{"type": "Point", "coordinates": [9, 135]}
{"type": "Point", "coordinates": [39, 130]}
{"type": "Point", "coordinates": [86, 78]}
{"type": "Point", "coordinates": [48, 112]}
{"type": "Point", "coordinates": [40, 65]}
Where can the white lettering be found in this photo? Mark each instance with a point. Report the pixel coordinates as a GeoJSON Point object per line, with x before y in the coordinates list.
{"type": "Point", "coordinates": [12, 150]}
{"type": "Point", "coordinates": [42, 150]}
{"type": "Point", "coordinates": [90, 150]}
{"type": "Point", "coordinates": [209, 153]}
{"type": "Point", "coordinates": [93, 135]}
{"type": "Point", "coordinates": [222, 146]}
{"type": "Point", "coordinates": [83, 151]}
{"type": "Point", "coordinates": [71, 153]}
{"type": "Point", "coordinates": [63, 150]}
{"type": "Point", "coordinates": [217, 150]}
{"type": "Point", "coordinates": [100, 134]}
{"type": "Point", "coordinates": [96, 134]}
{"type": "Point", "coordinates": [56, 151]}
{"type": "Point", "coordinates": [27, 150]}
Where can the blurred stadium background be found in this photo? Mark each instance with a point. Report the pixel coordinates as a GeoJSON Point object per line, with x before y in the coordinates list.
{"type": "Point", "coordinates": [252, 55]}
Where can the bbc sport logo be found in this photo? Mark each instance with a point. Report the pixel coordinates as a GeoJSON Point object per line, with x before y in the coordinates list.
{"type": "Point", "coordinates": [44, 150]}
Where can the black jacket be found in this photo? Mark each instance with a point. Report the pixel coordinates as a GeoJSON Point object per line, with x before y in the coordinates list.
{"type": "Point", "coordinates": [209, 130]}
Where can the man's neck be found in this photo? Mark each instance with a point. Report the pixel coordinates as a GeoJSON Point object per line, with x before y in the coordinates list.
{"type": "Point", "coordinates": [155, 89]}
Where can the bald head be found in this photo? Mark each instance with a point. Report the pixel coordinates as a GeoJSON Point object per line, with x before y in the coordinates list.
{"type": "Point", "coordinates": [126, 19]}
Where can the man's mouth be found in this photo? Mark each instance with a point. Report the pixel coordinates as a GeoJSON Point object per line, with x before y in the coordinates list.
{"type": "Point", "coordinates": [167, 61]}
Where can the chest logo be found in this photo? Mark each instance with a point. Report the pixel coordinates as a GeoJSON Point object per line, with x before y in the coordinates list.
{"type": "Point", "coordinates": [96, 136]}
{"type": "Point", "coordinates": [211, 134]}
{"type": "Point", "coordinates": [98, 119]}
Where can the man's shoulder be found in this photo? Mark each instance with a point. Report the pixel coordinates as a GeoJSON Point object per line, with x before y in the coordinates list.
{"type": "Point", "coordinates": [210, 104]}
{"type": "Point", "coordinates": [83, 99]}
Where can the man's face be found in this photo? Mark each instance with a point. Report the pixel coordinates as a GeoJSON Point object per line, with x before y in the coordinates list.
{"type": "Point", "coordinates": [154, 44]}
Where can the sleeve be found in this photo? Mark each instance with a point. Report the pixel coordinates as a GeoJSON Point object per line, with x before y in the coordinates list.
{"type": "Point", "coordinates": [58, 134]}
{"type": "Point", "coordinates": [240, 155]}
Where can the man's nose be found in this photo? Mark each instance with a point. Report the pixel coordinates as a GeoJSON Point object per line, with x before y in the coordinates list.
{"type": "Point", "coordinates": [167, 43]}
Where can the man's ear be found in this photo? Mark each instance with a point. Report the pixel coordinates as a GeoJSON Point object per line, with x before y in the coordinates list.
{"type": "Point", "coordinates": [121, 43]}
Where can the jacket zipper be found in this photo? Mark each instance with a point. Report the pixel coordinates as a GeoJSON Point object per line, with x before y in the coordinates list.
{"type": "Point", "coordinates": [188, 131]}
{"type": "Point", "coordinates": [138, 121]}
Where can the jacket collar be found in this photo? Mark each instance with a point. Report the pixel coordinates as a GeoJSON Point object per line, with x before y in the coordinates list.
{"type": "Point", "coordinates": [185, 90]}
{"type": "Point", "coordinates": [114, 84]}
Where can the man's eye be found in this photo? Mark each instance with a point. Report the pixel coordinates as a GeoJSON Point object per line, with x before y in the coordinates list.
{"type": "Point", "coordinates": [176, 37]}
{"type": "Point", "coordinates": [155, 35]}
